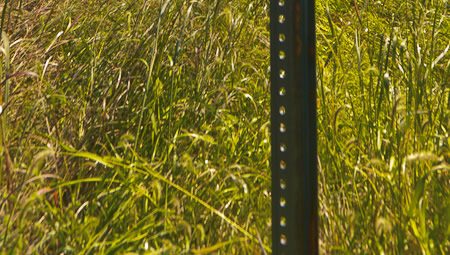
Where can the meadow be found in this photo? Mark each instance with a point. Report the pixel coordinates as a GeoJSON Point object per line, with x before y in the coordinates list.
{"type": "Point", "coordinates": [142, 127]}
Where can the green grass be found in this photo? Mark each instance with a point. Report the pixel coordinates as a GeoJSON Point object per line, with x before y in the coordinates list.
{"type": "Point", "coordinates": [142, 126]}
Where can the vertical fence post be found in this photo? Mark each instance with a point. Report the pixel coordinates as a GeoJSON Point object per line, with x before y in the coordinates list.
{"type": "Point", "coordinates": [293, 127]}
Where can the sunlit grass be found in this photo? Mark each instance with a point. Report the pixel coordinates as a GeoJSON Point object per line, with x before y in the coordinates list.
{"type": "Point", "coordinates": [143, 126]}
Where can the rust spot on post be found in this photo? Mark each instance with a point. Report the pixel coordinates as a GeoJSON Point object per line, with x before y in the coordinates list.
{"type": "Point", "coordinates": [298, 39]}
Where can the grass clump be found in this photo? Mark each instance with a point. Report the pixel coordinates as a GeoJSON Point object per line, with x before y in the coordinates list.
{"type": "Point", "coordinates": [143, 127]}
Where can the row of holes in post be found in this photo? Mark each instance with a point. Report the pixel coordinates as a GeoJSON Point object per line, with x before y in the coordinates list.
{"type": "Point", "coordinates": [282, 112]}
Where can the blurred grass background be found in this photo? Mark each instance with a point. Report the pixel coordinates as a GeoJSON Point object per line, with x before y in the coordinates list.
{"type": "Point", "coordinates": [142, 127]}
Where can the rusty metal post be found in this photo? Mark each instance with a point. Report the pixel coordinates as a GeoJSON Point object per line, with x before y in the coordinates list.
{"type": "Point", "coordinates": [293, 127]}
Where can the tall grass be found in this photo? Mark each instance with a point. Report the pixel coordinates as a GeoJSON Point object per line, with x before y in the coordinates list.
{"type": "Point", "coordinates": [143, 127]}
{"type": "Point", "coordinates": [383, 123]}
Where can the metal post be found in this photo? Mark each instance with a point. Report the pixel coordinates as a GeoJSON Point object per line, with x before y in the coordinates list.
{"type": "Point", "coordinates": [293, 127]}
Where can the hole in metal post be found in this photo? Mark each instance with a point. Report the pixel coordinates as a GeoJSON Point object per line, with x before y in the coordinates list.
{"type": "Point", "coordinates": [282, 202]}
{"type": "Point", "coordinates": [282, 184]}
{"type": "Point", "coordinates": [282, 74]}
{"type": "Point", "coordinates": [283, 221]}
{"type": "Point", "coordinates": [281, 55]}
{"type": "Point", "coordinates": [283, 240]}
{"type": "Point", "coordinates": [282, 147]}
{"type": "Point", "coordinates": [282, 91]}
{"type": "Point", "coordinates": [281, 19]}
{"type": "Point", "coordinates": [282, 164]}
{"type": "Point", "coordinates": [281, 3]}
{"type": "Point", "coordinates": [281, 37]}
{"type": "Point", "coordinates": [282, 110]}
{"type": "Point", "coordinates": [282, 128]}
